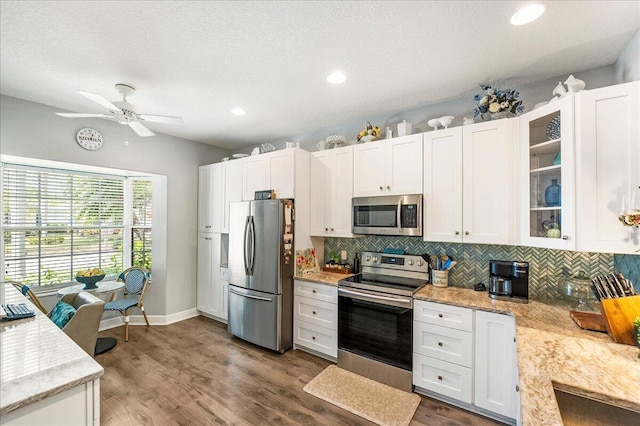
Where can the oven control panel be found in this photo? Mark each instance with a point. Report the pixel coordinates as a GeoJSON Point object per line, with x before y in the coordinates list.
{"type": "Point", "coordinates": [399, 262]}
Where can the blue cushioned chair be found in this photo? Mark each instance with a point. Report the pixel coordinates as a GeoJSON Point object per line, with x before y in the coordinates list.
{"type": "Point", "coordinates": [135, 283]}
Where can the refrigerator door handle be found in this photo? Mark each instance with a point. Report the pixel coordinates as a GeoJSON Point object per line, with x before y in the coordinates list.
{"type": "Point", "coordinates": [266, 299]}
{"type": "Point", "coordinates": [246, 245]}
{"type": "Point", "coordinates": [252, 228]}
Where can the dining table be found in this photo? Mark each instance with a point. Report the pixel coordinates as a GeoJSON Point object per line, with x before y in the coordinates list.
{"type": "Point", "coordinates": [103, 344]}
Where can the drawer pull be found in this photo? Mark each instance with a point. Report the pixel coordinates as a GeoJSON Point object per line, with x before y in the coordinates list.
{"type": "Point", "coordinates": [314, 291]}
{"type": "Point", "coordinates": [439, 343]}
{"type": "Point", "coordinates": [439, 377]}
{"type": "Point", "coordinates": [439, 315]}
{"type": "Point", "coordinates": [313, 337]}
{"type": "Point", "coordinates": [314, 312]}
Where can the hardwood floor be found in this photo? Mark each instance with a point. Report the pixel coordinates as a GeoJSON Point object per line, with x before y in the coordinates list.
{"type": "Point", "coordinates": [194, 373]}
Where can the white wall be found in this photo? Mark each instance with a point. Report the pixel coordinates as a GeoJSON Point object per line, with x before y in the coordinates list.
{"type": "Point", "coordinates": [627, 67]}
{"type": "Point", "coordinates": [29, 129]}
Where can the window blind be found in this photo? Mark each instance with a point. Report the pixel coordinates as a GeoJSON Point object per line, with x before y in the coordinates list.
{"type": "Point", "coordinates": [56, 222]}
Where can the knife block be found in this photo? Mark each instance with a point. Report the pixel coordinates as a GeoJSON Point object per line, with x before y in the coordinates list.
{"type": "Point", "coordinates": [619, 314]}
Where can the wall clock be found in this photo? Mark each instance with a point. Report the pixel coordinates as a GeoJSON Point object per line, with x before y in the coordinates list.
{"type": "Point", "coordinates": [89, 139]}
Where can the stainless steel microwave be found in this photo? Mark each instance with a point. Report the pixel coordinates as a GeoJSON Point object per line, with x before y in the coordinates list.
{"type": "Point", "coordinates": [388, 215]}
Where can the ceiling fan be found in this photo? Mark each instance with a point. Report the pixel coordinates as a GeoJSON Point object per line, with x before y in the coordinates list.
{"type": "Point", "coordinates": [124, 112]}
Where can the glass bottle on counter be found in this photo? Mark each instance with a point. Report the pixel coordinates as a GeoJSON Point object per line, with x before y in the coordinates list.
{"type": "Point", "coordinates": [356, 264]}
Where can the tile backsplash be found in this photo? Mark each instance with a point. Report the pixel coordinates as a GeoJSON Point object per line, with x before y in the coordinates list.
{"type": "Point", "coordinates": [548, 267]}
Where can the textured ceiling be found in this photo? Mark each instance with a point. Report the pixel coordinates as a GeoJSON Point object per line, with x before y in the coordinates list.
{"type": "Point", "coordinates": [200, 59]}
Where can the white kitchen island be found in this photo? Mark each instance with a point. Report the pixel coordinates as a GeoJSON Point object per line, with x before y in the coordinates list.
{"type": "Point", "coordinates": [45, 379]}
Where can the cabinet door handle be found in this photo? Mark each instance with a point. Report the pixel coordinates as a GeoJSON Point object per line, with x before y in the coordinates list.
{"type": "Point", "coordinates": [207, 226]}
{"type": "Point", "coordinates": [457, 232]}
{"type": "Point", "coordinates": [565, 237]}
{"type": "Point", "coordinates": [331, 229]}
{"type": "Point", "coordinates": [381, 188]}
{"type": "Point", "coordinates": [314, 312]}
{"type": "Point", "coordinates": [326, 229]}
{"type": "Point", "coordinates": [439, 343]}
{"type": "Point", "coordinates": [466, 232]}
{"type": "Point", "coordinates": [439, 315]}
{"type": "Point", "coordinates": [207, 238]}
{"type": "Point", "coordinates": [388, 186]}
{"type": "Point", "coordinates": [313, 291]}
{"type": "Point", "coordinates": [439, 377]}
{"type": "Point", "coordinates": [313, 337]}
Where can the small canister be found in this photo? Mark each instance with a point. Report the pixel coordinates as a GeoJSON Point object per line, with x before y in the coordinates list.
{"type": "Point", "coordinates": [404, 128]}
{"type": "Point", "coordinates": [439, 278]}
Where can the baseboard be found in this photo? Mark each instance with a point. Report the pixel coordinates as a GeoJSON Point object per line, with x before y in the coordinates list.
{"type": "Point", "coordinates": [153, 319]}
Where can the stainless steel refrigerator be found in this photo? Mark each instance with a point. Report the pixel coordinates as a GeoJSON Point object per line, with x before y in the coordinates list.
{"type": "Point", "coordinates": [261, 273]}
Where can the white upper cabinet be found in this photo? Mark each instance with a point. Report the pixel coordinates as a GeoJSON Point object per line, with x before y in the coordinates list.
{"type": "Point", "coordinates": [274, 170]}
{"type": "Point", "coordinates": [388, 167]}
{"type": "Point", "coordinates": [331, 183]}
{"type": "Point", "coordinates": [488, 182]}
{"type": "Point", "coordinates": [443, 185]}
{"type": "Point", "coordinates": [210, 188]}
{"type": "Point", "coordinates": [232, 189]}
{"type": "Point", "coordinates": [469, 184]}
{"type": "Point", "coordinates": [608, 167]}
{"type": "Point", "coordinates": [547, 176]}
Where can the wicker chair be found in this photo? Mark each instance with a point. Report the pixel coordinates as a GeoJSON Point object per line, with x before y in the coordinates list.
{"type": "Point", "coordinates": [135, 284]}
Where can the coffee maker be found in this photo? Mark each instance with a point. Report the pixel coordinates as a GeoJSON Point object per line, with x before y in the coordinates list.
{"type": "Point", "coordinates": [509, 280]}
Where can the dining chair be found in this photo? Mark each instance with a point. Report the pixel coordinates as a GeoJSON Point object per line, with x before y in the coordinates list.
{"type": "Point", "coordinates": [135, 281]}
{"type": "Point", "coordinates": [26, 291]}
{"type": "Point", "coordinates": [81, 326]}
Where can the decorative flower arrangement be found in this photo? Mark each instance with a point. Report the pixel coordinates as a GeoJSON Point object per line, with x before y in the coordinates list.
{"type": "Point", "coordinates": [495, 101]}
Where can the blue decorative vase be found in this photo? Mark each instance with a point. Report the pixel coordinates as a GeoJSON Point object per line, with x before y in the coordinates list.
{"type": "Point", "coordinates": [552, 194]}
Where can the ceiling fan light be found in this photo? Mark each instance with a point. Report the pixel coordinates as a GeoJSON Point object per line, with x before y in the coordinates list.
{"type": "Point", "coordinates": [527, 14]}
{"type": "Point", "coordinates": [337, 77]}
{"type": "Point", "coordinates": [238, 111]}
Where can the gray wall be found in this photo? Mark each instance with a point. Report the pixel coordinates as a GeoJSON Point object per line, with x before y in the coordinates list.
{"type": "Point", "coordinates": [627, 67]}
{"type": "Point", "coordinates": [32, 130]}
{"type": "Point", "coordinates": [531, 94]}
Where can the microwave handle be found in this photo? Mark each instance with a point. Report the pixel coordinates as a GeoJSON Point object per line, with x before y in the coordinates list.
{"type": "Point", "coordinates": [399, 215]}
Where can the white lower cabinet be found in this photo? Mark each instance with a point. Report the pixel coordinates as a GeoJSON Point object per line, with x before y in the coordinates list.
{"type": "Point", "coordinates": [442, 377]}
{"type": "Point", "coordinates": [495, 383]}
{"type": "Point", "coordinates": [466, 356]}
{"type": "Point", "coordinates": [315, 318]}
{"type": "Point", "coordinates": [224, 292]}
{"type": "Point", "coordinates": [209, 297]}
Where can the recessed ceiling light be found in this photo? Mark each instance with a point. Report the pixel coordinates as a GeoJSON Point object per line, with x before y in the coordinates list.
{"type": "Point", "coordinates": [336, 78]}
{"type": "Point", "coordinates": [238, 111]}
{"type": "Point", "coordinates": [527, 14]}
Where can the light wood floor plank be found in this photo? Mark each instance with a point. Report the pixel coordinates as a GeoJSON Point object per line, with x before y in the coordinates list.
{"type": "Point", "coordinates": [195, 373]}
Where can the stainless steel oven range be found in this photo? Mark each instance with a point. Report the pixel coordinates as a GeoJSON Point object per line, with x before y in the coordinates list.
{"type": "Point", "coordinates": [375, 316]}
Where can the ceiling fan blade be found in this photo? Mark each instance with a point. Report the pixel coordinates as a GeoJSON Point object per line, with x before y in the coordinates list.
{"type": "Point", "coordinates": [161, 118]}
{"type": "Point", "coordinates": [99, 100]}
{"type": "Point", "coordinates": [80, 114]}
{"type": "Point", "coordinates": [140, 129]}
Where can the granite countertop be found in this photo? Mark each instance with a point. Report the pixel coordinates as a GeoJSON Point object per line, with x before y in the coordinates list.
{"type": "Point", "coordinates": [38, 360]}
{"type": "Point", "coordinates": [553, 350]}
{"type": "Point", "coordinates": [321, 277]}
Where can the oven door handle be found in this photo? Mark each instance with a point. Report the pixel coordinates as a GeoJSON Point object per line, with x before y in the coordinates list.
{"type": "Point", "coordinates": [367, 297]}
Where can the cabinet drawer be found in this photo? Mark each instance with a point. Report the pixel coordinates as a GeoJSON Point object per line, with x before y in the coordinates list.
{"type": "Point", "coordinates": [314, 337]}
{"type": "Point", "coordinates": [443, 343]}
{"type": "Point", "coordinates": [316, 312]}
{"type": "Point", "coordinates": [442, 377]}
{"type": "Point", "coordinates": [443, 315]}
{"type": "Point", "coordinates": [323, 292]}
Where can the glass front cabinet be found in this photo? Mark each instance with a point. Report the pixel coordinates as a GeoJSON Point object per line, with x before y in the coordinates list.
{"type": "Point", "coordinates": [547, 203]}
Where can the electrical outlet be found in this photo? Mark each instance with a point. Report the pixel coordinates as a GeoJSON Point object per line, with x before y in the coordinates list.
{"type": "Point", "coordinates": [343, 255]}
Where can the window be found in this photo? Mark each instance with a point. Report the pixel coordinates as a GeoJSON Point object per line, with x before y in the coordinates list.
{"type": "Point", "coordinates": [57, 222]}
{"type": "Point", "coordinates": [141, 219]}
